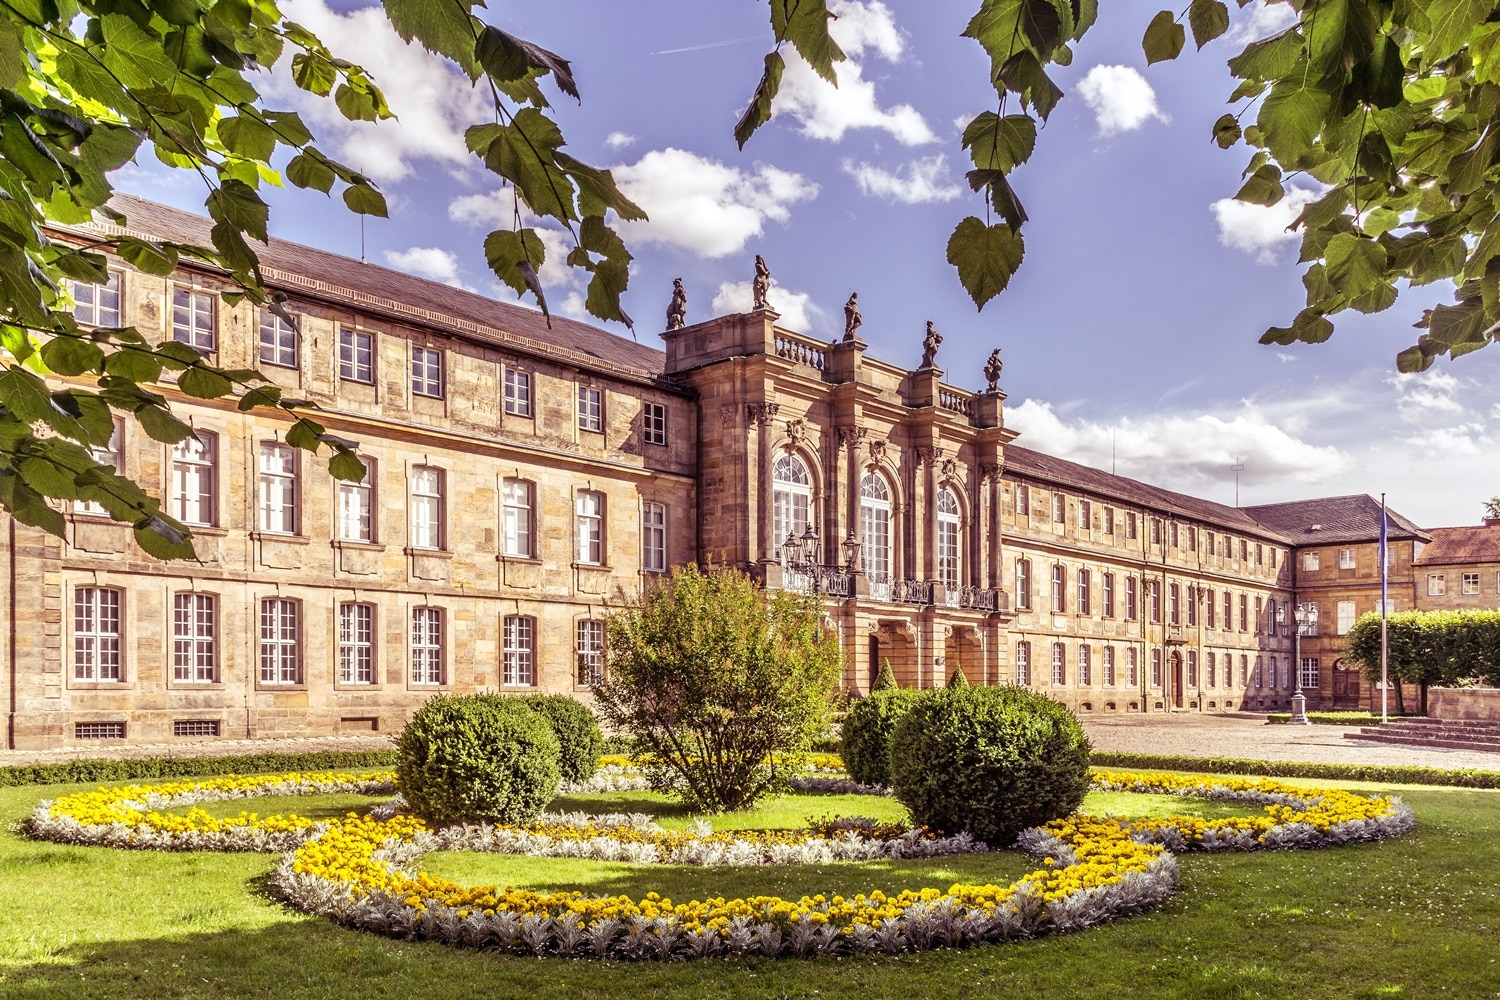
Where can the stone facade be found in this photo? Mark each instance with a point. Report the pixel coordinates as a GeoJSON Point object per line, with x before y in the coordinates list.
{"type": "Point", "coordinates": [496, 532]}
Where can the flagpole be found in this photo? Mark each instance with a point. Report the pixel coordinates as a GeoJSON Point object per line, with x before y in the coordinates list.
{"type": "Point", "coordinates": [1385, 560]}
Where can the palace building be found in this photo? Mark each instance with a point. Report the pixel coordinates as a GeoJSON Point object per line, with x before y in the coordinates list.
{"type": "Point", "coordinates": [523, 479]}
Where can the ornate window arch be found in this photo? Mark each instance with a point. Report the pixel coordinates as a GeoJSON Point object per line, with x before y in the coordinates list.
{"type": "Point", "coordinates": [791, 499]}
{"type": "Point", "coordinates": [948, 538]}
{"type": "Point", "coordinates": [875, 532]}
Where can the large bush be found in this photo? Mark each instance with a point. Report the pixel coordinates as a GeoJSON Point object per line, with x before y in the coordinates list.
{"type": "Point", "coordinates": [1429, 648]}
{"type": "Point", "coordinates": [579, 740]}
{"type": "Point", "coordinates": [476, 757]}
{"type": "Point", "coordinates": [721, 684]}
{"type": "Point", "coordinates": [867, 734]}
{"type": "Point", "coordinates": [989, 761]}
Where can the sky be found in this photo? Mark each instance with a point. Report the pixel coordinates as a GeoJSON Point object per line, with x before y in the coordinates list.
{"type": "Point", "coordinates": [1129, 333]}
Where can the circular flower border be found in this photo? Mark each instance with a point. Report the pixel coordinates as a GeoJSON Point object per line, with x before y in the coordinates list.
{"type": "Point", "coordinates": [360, 871]}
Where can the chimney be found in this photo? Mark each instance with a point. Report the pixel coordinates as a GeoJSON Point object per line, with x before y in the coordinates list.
{"type": "Point", "coordinates": [1492, 522]}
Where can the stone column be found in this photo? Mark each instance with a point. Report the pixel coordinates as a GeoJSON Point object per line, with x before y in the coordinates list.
{"type": "Point", "coordinates": [851, 438]}
{"type": "Point", "coordinates": [925, 505]}
{"type": "Point", "coordinates": [993, 540]}
{"type": "Point", "coordinates": [762, 416]}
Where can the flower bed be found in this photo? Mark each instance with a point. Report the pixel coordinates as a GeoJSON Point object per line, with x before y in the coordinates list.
{"type": "Point", "coordinates": [361, 871]}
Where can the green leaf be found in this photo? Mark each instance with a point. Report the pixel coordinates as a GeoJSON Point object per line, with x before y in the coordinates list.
{"type": "Point", "coordinates": [1002, 144]}
{"type": "Point", "coordinates": [1263, 187]}
{"type": "Point", "coordinates": [505, 251]}
{"type": "Point", "coordinates": [12, 56]}
{"type": "Point", "coordinates": [29, 507]}
{"type": "Point", "coordinates": [71, 355]}
{"type": "Point", "coordinates": [135, 364]}
{"type": "Point", "coordinates": [444, 27]}
{"type": "Point", "coordinates": [149, 257]}
{"type": "Point", "coordinates": [1226, 131]}
{"type": "Point", "coordinates": [235, 203]}
{"type": "Point", "coordinates": [1291, 117]}
{"type": "Point", "coordinates": [314, 73]}
{"type": "Point", "coordinates": [163, 538]}
{"type": "Point", "coordinates": [1268, 59]}
{"type": "Point", "coordinates": [1023, 74]}
{"type": "Point", "coordinates": [1164, 38]}
{"type": "Point", "coordinates": [160, 425]}
{"type": "Point", "coordinates": [1452, 22]}
{"type": "Point", "coordinates": [1413, 360]}
{"type": "Point", "coordinates": [358, 104]}
{"type": "Point", "coordinates": [246, 135]}
{"type": "Point", "coordinates": [524, 153]}
{"type": "Point", "coordinates": [1380, 220]}
{"type": "Point", "coordinates": [346, 465]}
{"type": "Point", "coordinates": [1310, 327]}
{"type": "Point", "coordinates": [758, 112]}
{"type": "Point", "coordinates": [307, 170]}
{"type": "Point", "coordinates": [1355, 265]}
{"type": "Point", "coordinates": [597, 192]}
{"type": "Point", "coordinates": [24, 395]}
{"type": "Point", "coordinates": [804, 23]}
{"type": "Point", "coordinates": [507, 58]}
{"type": "Point", "coordinates": [204, 383]}
{"type": "Point", "coordinates": [1209, 19]}
{"type": "Point", "coordinates": [986, 257]}
{"type": "Point", "coordinates": [49, 478]}
{"type": "Point", "coordinates": [362, 199]}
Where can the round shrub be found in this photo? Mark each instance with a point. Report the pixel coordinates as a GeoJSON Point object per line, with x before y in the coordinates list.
{"type": "Point", "coordinates": [989, 761]}
{"type": "Point", "coordinates": [867, 734]}
{"type": "Point", "coordinates": [471, 758]}
{"type": "Point", "coordinates": [579, 739]}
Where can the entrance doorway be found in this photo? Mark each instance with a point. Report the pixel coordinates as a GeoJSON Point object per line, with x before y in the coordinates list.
{"type": "Point", "coordinates": [1345, 687]}
{"type": "Point", "coordinates": [1177, 684]}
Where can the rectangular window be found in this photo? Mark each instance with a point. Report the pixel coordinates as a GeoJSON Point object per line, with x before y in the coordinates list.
{"type": "Point", "coordinates": [356, 355]}
{"type": "Point", "coordinates": [1023, 500]}
{"type": "Point", "coordinates": [278, 488]}
{"type": "Point", "coordinates": [1059, 508]}
{"type": "Point", "coordinates": [1156, 531]}
{"type": "Point", "coordinates": [1192, 667]}
{"type": "Point", "coordinates": [1437, 584]}
{"type": "Point", "coordinates": [1059, 664]}
{"type": "Point", "coordinates": [1109, 666]}
{"type": "Point", "coordinates": [194, 478]}
{"type": "Point", "coordinates": [654, 423]}
{"type": "Point", "coordinates": [280, 641]}
{"type": "Point", "coordinates": [193, 319]}
{"type": "Point", "coordinates": [1228, 611]}
{"type": "Point", "coordinates": [1172, 535]}
{"type": "Point", "coordinates": [1309, 673]}
{"type": "Point", "coordinates": [1023, 584]}
{"type": "Point", "coordinates": [590, 653]}
{"type": "Point", "coordinates": [1192, 604]}
{"type": "Point", "coordinates": [1130, 525]}
{"type": "Point", "coordinates": [517, 393]}
{"type": "Point", "coordinates": [1023, 663]}
{"type": "Point", "coordinates": [1083, 592]}
{"type": "Point", "coordinates": [1260, 554]}
{"type": "Point", "coordinates": [427, 645]}
{"type": "Point", "coordinates": [96, 634]}
{"type": "Point", "coordinates": [356, 643]}
{"type": "Point", "coordinates": [98, 305]}
{"type": "Point", "coordinates": [1212, 678]}
{"type": "Point", "coordinates": [588, 523]}
{"type": "Point", "coordinates": [1244, 612]}
{"type": "Point", "coordinates": [426, 372]}
{"type": "Point", "coordinates": [1209, 614]}
{"type": "Point", "coordinates": [278, 340]}
{"type": "Point", "coordinates": [98, 730]}
{"type": "Point", "coordinates": [654, 537]}
{"type": "Point", "coordinates": [1130, 599]}
{"type": "Point", "coordinates": [357, 508]}
{"type": "Point", "coordinates": [517, 514]}
{"type": "Point", "coordinates": [1260, 676]}
{"type": "Point", "coordinates": [590, 409]}
{"type": "Point", "coordinates": [1109, 595]}
{"type": "Point", "coordinates": [1174, 604]}
{"type": "Point", "coordinates": [1346, 558]}
{"type": "Point", "coordinates": [1156, 668]}
{"type": "Point", "coordinates": [426, 508]}
{"type": "Point", "coordinates": [1244, 672]}
{"type": "Point", "coordinates": [1272, 674]}
{"type": "Point", "coordinates": [1345, 611]}
{"type": "Point", "coordinates": [519, 666]}
{"type": "Point", "coordinates": [1153, 590]}
{"type": "Point", "coordinates": [1192, 539]}
{"type": "Point", "coordinates": [1085, 666]}
{"type": "Point", "coordinates": [1259, 614]}
{"type": "Point", "coordinates": [1309, 561]}
{"type": "Point", "coordinates": [1059, 589]}
{"type": "Point", "coordinates": [195, 658]}
{"type": "Point", "coordinates": [1470, 583]}
{"type": "Point", "coordinates": [1109, 520]}
{"type": "Point", "coordinates": [111, 456]}
{"type": "Point", "coordinates": [1132, 668]}
{"type": "Point", "coordinates": [1085, 515]}
{"type": "Point", "coordinates": [1244, 550]}
{"type": "Point", "coordinates": [195, 727]}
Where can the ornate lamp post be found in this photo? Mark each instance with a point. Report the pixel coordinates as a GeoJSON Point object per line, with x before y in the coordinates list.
{"type": "Point", "coordinates": [1306, 617]}
{"type": "Point", "coordinates": [810, 546]}
{"type": "Point", "coordinates": [850, 547]}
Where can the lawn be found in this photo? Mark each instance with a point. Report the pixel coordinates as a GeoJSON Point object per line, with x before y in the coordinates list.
{"type": "Point", "coordinates": [1416, 917]}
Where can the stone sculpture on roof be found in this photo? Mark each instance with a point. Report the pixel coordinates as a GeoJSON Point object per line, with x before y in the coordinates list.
{"type": "Point", "coordinates": [761, 286]}
{"type": "Point", "coordinates": [852, 319]}
{"type": "Point", "coordinates": [992, 369]}
{"type": "Point", "coordinates": [930, 345]}
{"type": "Point", "coordinates": [677, 308]}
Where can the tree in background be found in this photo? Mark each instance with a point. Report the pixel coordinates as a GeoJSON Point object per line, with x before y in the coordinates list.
{"type": "Point", "coordinates": [1429, 648]}
{"type": "Point", "coordinates": [722, 685]}
{"type": "Point", "coordinates": [1492, 507]}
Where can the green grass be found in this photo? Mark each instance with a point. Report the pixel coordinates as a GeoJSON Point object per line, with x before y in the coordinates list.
{"type": "Point", "coordinates": [1416, 917]}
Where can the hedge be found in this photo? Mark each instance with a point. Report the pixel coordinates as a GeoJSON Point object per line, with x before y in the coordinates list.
{"type": "Point", "coordinates": [94, 770]}
{"type": "Point", "coordinates": [1384, 773]}
{"type": "Point", "coordinates": [1336, 718]}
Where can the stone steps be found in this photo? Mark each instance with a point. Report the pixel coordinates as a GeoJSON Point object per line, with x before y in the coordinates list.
{"type": "Point", "coordinates": [1440, 733]}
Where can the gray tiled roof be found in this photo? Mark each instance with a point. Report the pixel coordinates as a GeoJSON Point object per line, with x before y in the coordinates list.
{"type": "Point", "coordinates": [331, 277]}
{"type": "Point", "coordinates": [1327, 520]}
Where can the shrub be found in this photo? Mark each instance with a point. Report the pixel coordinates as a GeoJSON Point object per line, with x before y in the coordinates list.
{"type": "Point", "coordinates": [958, 678]}
{"type": "Point", "coordinates": [579, 739]}
{"type": "Point", "coordinates": [866, 747]}
{"type": "Point", "coordinates": [721, 684]}
{"type": "Point", "coordinates": [886, 679]}
{"type": "Point", "coordinates": [94, 770]}
{"type": "Point", "coordinates": [1399, 774]}
{"type": "Point", "coordinates": [477, 757]}
{"type": "Point", "coordinates": [988, 761]}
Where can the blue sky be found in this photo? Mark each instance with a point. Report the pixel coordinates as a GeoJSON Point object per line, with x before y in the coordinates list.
{"type": "Point", "coordinates": [1130, 329]}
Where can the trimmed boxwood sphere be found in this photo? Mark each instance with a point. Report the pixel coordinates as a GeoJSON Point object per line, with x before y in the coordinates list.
{"type": "Point", "coordinates": [472, 758]}
{"type": "Point", "coordinates": [867, 734]}
{"type": "Point", "coordinates": [579, 739]}
{"type": "Point", "coordinates": [988, 761]}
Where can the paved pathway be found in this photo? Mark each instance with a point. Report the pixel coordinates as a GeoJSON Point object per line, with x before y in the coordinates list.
{"type": "Point", "coordinates": [1244, 735]}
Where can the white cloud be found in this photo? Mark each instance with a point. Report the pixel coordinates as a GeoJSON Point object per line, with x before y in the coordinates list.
{"type": "Point", "coordinates": [433, 101]}
{"type": "Point", "coordinates": [919, 182]}
{"type": "Point", "coordinates": [619, 140]}
{"type": "Point", "coordinates": [1183, 451]}
{"type": "Point", "coordinates": [704, 206]}
{"type": "Point", "coordinates": [434, 263]}
{"type": "Point", "coordinates": [1260, 19]}
{"type": "Point", "coordinates": [827, 112]}
{"type": "Point", "coordinates": [1433, 393]}
{"type": "Point", "coordinates": [1121, 99]}
{"type": "Point", "coordinates": [1261, 230]}
{"type": "Point", "coordinates": [1462, 440]}
{"type": "Point", "coordinates": [796, 308]}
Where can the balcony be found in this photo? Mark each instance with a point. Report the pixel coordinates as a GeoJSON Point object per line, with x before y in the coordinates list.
{"type": "Point", "coordinates": [972, 598]}
{"type": "Point", "coordinates": [893, 591]}
{"type": "Point", "coordinates": [811, 578]}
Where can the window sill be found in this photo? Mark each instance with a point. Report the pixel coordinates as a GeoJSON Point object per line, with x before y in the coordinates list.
{"type": "Point", "coordinates": [520, 560]}
{"type": "Point", "coordinates": [357, 381]}
{"type": "Point", "coordinates": [412, 550]}
{"type": "Point", "coordinates": [193, 687]}
{"type": "Point", "coordinates": [597, 567]}
{"type": "Point", "coordinates": [276, 536]}
{"type": "Point", "coordinates": [349, 543]}
{"type": "Point", "coordinates": [76, 685]}
{"type": "Point", "coordinates": [427, 395]}
{"type": "Point", "coordinates": [206, 530]}
{"type": "Point", "coordinates": [264, 687]}
{"type": "Point", "coordinates": [356, 686]}
{"type": "Point", "coordinates": [284, 367]}
{"type": "Point", "coordinates": [520, 416]}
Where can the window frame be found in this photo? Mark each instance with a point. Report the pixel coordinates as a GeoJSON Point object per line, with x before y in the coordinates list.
{"type": "Point", "coordinates": [1059, 664]}
{"type": "Point", "coordinates": [352, 343]}
{"type": "Point", "coordinates": [98, 654]}
{"type": "Point", "coordinates": [191, 332]}
{"type": "Point", "coordinates": [355, 504]}
{"type": "Point", "coordinates": [427, 508]}
{"type": "Point", "coordinates": [591, 409]}
{"type": "Point", "coordinates": [518, 652]}
{"type": "Point", "coordinates": [110, 454]}
{"type": "Point", "coordinates": [274, 353]}
{"type": "Point", "coordinates": [1023, 662]}
{"type": "Point", "coordinates": [653, 537]}
{"type": "Point", "coordinates": [428, 374]}
{"type": "Point", "coordinates": [654, 423]}
{"type": "Point", "coordinates": [588, 648]}
{"type": "Point", "coordinates": [427, 645]}
{"type": "Point", "coordinates": [117, 278]}
{"type": "Point", "coordinates": [516, 392]}
{"type": "Point", "coordinates": [588, 529]}
{"type": "Point", "coordinates": [207, 481]}
{"type": "Point", "coordinates": [517, 518]}
{"type": "Point", "coordinates": [1469, 583]}
{"type": "Point", "coordinates": [271, 667]}
{"type": "Point", "coordinates": [191, 647]}
{"type": "Point", "coordinates": [287, 513]}
{"type": "Point", "coordinates": [356, 644]}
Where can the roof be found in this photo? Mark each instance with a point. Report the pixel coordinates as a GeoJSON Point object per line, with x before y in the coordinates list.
{"type": "Point", "coordinates": [1035, 465]}
{"type": "Point", "coordinates": [331, 277]}
{"type": "Point", "coordinates": [1468, 544]}
{"type": "Point", "coordinates": [1329, 520]}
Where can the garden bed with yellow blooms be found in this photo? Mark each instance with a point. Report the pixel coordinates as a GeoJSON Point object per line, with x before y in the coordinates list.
{"type": "Point", "coordinates": [364, 871]}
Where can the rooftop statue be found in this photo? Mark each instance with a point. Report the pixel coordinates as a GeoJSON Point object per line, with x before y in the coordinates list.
{"type": "Point", "coordinates": [677, 308]}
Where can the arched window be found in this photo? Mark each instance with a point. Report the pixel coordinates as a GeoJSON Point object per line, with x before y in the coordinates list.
{"type": "Point", "coordinates": [947, 538]}
{"type": "Point", "coordinates": [875, 533]}
{"type": "Point", "coordinates": [791, 500]}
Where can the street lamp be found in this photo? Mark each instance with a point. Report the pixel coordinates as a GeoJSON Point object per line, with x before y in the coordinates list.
{"type": "Point", "coordinates": [789, 550]}
{"type": "Point", "coordinates": [1307, 618]}
{"type": "Point", "coordinates": [810, 545]}
{"type": "Point", "coordinates": [850, 548]}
